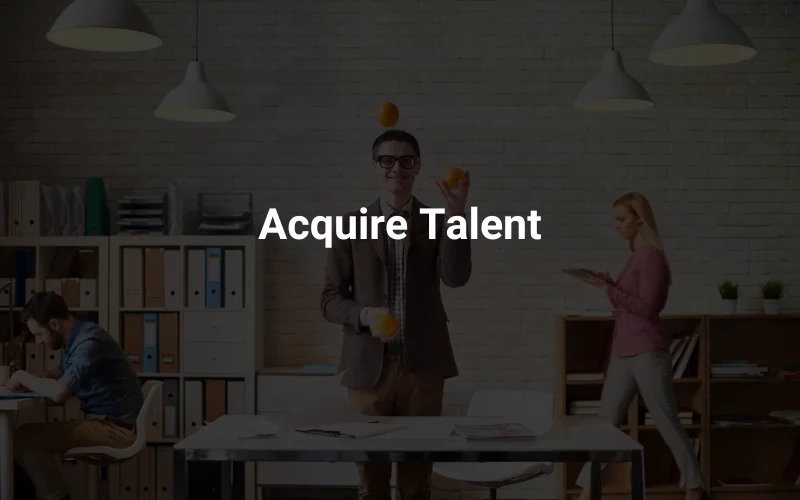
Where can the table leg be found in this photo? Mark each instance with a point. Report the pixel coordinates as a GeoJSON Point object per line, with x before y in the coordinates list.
{"type": "Point", "coordinates": [596, 485]}
{"type": "Point", "coordinates": [6, 456]}
{"type": "Point", "coordinates": [637, 475]}
{"type": "Point", "coordinates": [179, 473]}
{"type": "Point", "coordinates": [227, 480]}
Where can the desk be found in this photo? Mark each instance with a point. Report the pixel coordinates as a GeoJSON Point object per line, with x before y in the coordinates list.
{"type": "Point", "coordinates": [8, 409]}
{"type": "Point", "coordinates": [426, 438]}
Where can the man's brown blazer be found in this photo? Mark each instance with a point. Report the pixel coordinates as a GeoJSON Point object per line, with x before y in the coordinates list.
{"type": "Point", "coordinates": [355, 277]}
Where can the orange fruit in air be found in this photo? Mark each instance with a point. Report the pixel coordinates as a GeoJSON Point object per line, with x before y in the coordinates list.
{"type": "Point", "coordinates": [387, 325]}
{"type": "Point", "coordinates": [388, 114]}
{"type": "Point", "coordinates": [452, 176]}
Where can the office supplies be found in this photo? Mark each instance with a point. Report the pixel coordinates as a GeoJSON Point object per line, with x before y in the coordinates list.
{"type": "Point", "coordinates": [353, 430]}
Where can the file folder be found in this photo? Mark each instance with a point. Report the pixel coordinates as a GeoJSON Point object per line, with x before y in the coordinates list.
{"type": "Point", "coordinates": [169, 397]}
{"type": "Point", "coordinates": [31, 288]}
{"type": "Point", "coordinates": [173, 287]}
{"type": "Point", "coordinates": [35, 358]}
{"type": "Point", "coordinates": [132, 277]}
{"type": "Point", "coordinates": [52, 359]}
{"type": "Point", "coordinates": [114, 482]}
{"type": "Point", "coordinates": [168, 343]}
{"type": "Point", "coordinates": [7, 295]}
{"type": "Point", "coordinates": [88, 290]}
{"type": "Point", "coordinates": [129, 480]}
{"type": "Point", "coordinates": [72, 410]}
{"type": "Point", "coordinates": [147, 473]}
{"type": "Point", "coordinates": [194, 406]}
{"type": "Point", "coordinates": [154, 277]}
{"type": "Point", "coordinates": [196, 279]}
{"type": "Point", "coordinates": [234, 279]}
{"type": "Point", "coordinates": [52, 285]}
{"type": "Point", "coordinates": [150, 338]}
{"type": "Point", "coordinates": [164, 473]}
{"type": "Point", "coordinates": [24, 268]}
{"type": "Point", "coordinates": [132, 339]}
{"type": "Point", "coordinates": [215, 400]}
{"type": "Point", "coordinates": [236, 399]}
{"type": "Point", "coordinates": [153, 421]}
{"type": "Point", "coordinates": [213, 278]}
{"type": "Point", "coordinates": [71, 292]}
{"type": "Point", "coordinates": [55, 413]}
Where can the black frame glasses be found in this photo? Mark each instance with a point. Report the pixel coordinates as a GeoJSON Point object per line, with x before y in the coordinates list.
{"type": "Point", "coordinates": [388, 162]}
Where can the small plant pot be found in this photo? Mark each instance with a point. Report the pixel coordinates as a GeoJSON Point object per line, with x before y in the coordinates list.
{"type": "Point", "coordinates": [771, 306]}
{"type": "Point", "coordinates": [730, 305]}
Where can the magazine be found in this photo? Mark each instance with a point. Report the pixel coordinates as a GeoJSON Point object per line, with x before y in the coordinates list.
{"type": "Point", "coordinates": [513, 430]}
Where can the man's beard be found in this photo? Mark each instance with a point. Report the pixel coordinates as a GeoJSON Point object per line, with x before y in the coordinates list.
{"type": "Point", "coordinates": [57, 340]}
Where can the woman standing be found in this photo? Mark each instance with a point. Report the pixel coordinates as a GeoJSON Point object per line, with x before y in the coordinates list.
{"type": "Point", "coordinates": [640, 351]}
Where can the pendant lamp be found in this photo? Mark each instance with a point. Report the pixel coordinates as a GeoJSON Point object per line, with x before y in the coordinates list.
{"type": "Point", "coordinates": [613, 89]}
{"type": "Point", "coordinates": [195, 100]}
{"type": "Point", "coordinates": [104, 26]}
{"type": "Point", "coordinates": [701, 36]}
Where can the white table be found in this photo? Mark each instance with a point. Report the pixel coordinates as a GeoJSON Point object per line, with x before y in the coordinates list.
{"type": "Point", "coordinates": [426, 439]}
{"type": "Point", "coordinates": [8, 409]}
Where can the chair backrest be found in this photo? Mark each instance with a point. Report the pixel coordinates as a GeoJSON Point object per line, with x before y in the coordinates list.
{"type": "Point", "coordinates": [151, 390]}
{"type": "Point", "coordinates": [535, 409]}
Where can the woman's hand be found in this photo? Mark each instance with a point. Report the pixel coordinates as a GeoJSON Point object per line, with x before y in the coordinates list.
{"type": "Point", "coordinates": [600, 280]}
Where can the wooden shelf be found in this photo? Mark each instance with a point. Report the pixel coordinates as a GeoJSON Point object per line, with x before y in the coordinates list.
{"type": "Point", "coordinates": [760, 452]}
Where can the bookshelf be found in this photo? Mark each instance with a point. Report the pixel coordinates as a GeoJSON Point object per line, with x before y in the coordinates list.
{"type": "Point", "coordinates": [210, 337]}
{"type": "Point", "coordinates": [757, 448]}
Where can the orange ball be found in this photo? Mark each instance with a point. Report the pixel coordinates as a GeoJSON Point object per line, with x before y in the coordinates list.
{"type": "Point", "coordinates": [453, 176]}
{"type": "Point", "coordinates": [387, 325]}
{"type": "Point", "coordinates": [388, 114]}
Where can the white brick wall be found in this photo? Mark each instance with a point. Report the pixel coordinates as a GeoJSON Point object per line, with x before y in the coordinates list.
{"type": "Point", "coordinates": [484, 85]}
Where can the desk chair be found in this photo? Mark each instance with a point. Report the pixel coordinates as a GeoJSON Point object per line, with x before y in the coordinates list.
{"type": "Point", "coordinates": [534, 409]}
{"type": "Point", "coordinates": [104, 456]}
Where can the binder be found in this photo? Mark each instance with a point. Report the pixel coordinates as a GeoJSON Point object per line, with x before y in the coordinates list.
{"type": "Point", "coordinates": [153, 421]}
{"type": "Point", "coordinates": [7, 296]}
{"type": "Point", "coordinates": [147, 473]}
{"type": "Point", "coordinates": [52, 285]}
{"type": "Point", "coordinates": [76, 475]}
{"type": "Point", "coordinates": [34, 354]}
{"type": "Point", "coordinates": [132, 339]}
{"type": "Point", "coordinates": [236, 399]}
{"type": "Point", "coordinates": [194, 407]}
{"type": "Point", "coordinates": [71, 292]}
{"type": "Point", "coordinates": [52, 359]}
{"type": "Point", "coordinates": [168, 343]}
{"type": "Point", "coordinates": [164, 473]}
{"type": "Point", "coordinates": [72, 410]}
{"type": "Point", "coordinates": [196, 279]}
{"type": "Point", "coordinates": [31, 288]}
{"type": "Point", "coordinates": [114, 482]}
{"type": "Point", "coordinates": [234, 279]}
{"type": "Point", "coordinates": [213, 278]}
{"type": "Point", "coordinates": [132, 277]}
{"type": "Point", "coordinates": [150, 346]}
{"type": "Point", "coordinates": [215, 400]}
{"type": "Point", "coordinates": [173, 287]}
{"type": "Point", "coordinates": [88, 290]}
{"type": "Point", "coordinates": [24, 268]}
{"type": "Point", "coordinates": [154, 277]}
{"type": "Point", "coordinates": [129, 480]}
{"type": "Point", "coordinates": [169, 397]}
{"type": "Point", "coordinates": [55, 413]}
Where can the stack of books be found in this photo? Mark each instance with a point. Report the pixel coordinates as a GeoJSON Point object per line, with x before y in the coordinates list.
{"type": "Point", "coordinates": [737, 368]}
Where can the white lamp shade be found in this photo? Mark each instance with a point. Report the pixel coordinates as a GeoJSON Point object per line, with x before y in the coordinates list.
{"type": "Point", "coordinates": [701, 36]}
{"type": "Point", "coordinates": [194, 100]}
{"type": "Point", "coordinates": [613, 89]}
{"type": "Point", "coordinates": [104, 26]}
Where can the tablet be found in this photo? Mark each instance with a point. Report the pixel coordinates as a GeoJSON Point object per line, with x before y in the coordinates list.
{"type": "Point", "coordinates": [579, 272]}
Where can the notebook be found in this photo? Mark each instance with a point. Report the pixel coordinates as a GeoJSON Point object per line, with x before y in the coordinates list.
{"type": "Point", "coordinates": [353, 430]}
{"type": "Point", "coordinates": [6, 393]}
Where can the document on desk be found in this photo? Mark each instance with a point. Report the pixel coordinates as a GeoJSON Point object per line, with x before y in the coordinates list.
{"type": "Point", "coordinates": [511, 430]}
{"type": "Point", "coordinates": [353, 430]}
{"type": "Point", "coordinates": [261, 428]}
{"type": "Point", "coordinates": [6, 393]}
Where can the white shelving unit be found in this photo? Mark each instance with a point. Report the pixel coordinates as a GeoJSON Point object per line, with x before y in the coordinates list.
{"type": "Point", "coordinates": [220, 343]}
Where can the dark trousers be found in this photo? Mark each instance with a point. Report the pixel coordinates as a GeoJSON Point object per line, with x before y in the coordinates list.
{"type": "Point", "coordinates": [23, 487]}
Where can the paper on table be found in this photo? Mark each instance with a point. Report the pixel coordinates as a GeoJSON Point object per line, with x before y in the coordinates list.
{"type": "Point", "coordinates": [493, 431]}
{"type": "Point", "coordinates": [261, 428]}
{"type": "Point", "coordinates": [6, 393]}
{"type": "Point", "coordinates": [353, 430]}
{"type": "Point", "coordinates": [323, 405]}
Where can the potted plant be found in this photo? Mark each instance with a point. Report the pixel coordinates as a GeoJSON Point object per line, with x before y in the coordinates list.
{"type": "Point", "coordinates": [729, 291]}
{"type": "Point", "coordinates": [772, 292]}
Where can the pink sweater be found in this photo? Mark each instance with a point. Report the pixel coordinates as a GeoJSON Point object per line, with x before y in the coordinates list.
{"type": "Point", "coordinates": [639, 295]}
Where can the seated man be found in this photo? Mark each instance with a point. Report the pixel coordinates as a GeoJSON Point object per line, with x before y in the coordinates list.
{"type": "Point", "coordinates": [96, 371]}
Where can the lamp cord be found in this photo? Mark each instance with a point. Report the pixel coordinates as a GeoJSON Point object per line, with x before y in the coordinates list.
{"type": "Point", "coordinates": [197, 30]}
{"type": "Point", "coordinates": [612, 25]}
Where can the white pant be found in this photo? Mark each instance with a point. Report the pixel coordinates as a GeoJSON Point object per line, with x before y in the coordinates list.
{"type": "Point", "coordinates": [652, 372]}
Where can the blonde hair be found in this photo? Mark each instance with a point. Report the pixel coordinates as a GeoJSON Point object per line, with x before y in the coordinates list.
{"type": "Point", "coordinates": [637, 204]}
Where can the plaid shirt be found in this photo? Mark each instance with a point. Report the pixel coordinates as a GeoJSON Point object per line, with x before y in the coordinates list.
{"type": "Point", "coordinates": [397, 255]}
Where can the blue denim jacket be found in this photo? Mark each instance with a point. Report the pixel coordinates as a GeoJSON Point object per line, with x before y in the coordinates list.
{"type": "Point", "coordinates": [96, 370]}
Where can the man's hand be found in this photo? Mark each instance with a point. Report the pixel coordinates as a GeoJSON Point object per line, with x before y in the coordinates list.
{"type": "Point", "coordinates": [15, 384]}
{"type": "Point", "coordinates": [370, 316]}
{"type": "Point", "coordinates": [456, 202]}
